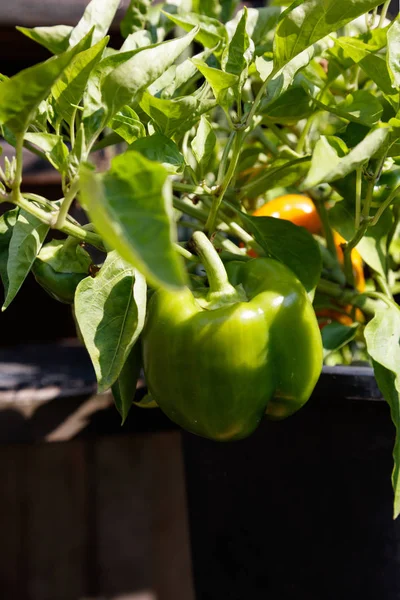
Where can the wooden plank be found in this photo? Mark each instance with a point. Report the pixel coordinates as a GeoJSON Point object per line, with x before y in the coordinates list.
{"type": "Point", "coordinates": [56, 521]}
{"type": "Point", "coordinates": [13, 567]}
{"type": "Point", "coordinates": [123, 529]}
{"type": "Point", "coordinates": [170, 538]}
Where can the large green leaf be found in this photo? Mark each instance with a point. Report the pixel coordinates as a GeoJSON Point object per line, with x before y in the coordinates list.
{"type": "Point", "coordinates": [110, 309]}
{"type": "Point", "coordinates": [220, 81]}
{"type": "Point", "coordinates": [7, 222]}
{"type": "Point", "coordinates": [382, 335]}
{"type": "Point", "coordinates": [373, 64]}
{"type": "Point", "coordinates": [358, 156]}
{"type": "Point", "coordinates": [292, 245]}
{"type": "Point", "coordinates": [307, 21]}
{"type": "Point", "coordinates": [21, 95]}
{"type": "Point", "coordinates": [123, 84]}
{"type": "Point", "coordinates": [26, 240]}
{"type": "Point", "coordinates": [52, 145]}
{"type": "Point", "coordinates": [68, 90]}
{"type": "Point", "coordinates": [54, 38]}
{"type": "Point", "coordinates": [203, 143]}
{"type": "Point", "coordinates": [128, 125]}
{"type": "Point", "coordinates": [159, 148]}
{"type": "Point", "coordinates": [131, 208]}
{"type": "Point", "coordinates": [135, 17]}
{"type": "Point", "coordinates": [175, 116]}
{"type": "Point", "coordinates": [393, 52]}
{"type": "Point", "coordinates": [209, 32]}
{"type": "Point", "coordinates": [99, 14]}
{"type": "Point", "coordinates": [125, 387]}
{"type": "Point", "coordinates": [177, 75]}
{"type": "Point", "coordinates": [238, 54]}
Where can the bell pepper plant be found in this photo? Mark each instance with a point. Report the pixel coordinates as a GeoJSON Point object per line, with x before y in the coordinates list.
{"type": "Point", "coordinates": [243, 227]}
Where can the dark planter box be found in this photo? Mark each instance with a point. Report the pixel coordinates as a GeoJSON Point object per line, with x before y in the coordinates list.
{"type": "Point", "coordinates": [302, 509]}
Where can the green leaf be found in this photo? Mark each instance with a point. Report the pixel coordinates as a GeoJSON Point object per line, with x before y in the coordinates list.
{"type": "Point", "coordinates": [7, 222]}
{"type": "Point", "coordinates": [21, 95]}
{"type": "Point", "coordinates": [292, 245]}
{"type": "Point", "coordinates": [135, 17]}
{"type": "Point", "coordinates": [209, 32]}
{"type": "Point", "coordinates": [98, 14]}
{"type": "Point", "coordinates": [324, 158]}
{"type": "Point", "coordinates": [110, 310]}
{"type": "Point", "coordinates": [279, 174]}
{"type": "Point", "coordinates": [68, 90]}
{"type": "Point", "coordinates": [52, 145]}
{"type": "Point", "coordinates": [146, 402]}
{"type": "Point", "coordinates": [128, 125]}
{"type": "Point", "coordinates": [227, 9]}
{"type": "Point", "coordinates": [238, 54]}
{"type": "Point", "coordinates": [209, 8]}
{"type": "Point", "coordinates": [374, 65]}
{"type": "Point", "coordinates": [382, 335]}
{"type": "Point", "coordinates": [218, 80]}
{"type": "Point", "coordinates": [176, 116]}
{"type": "Point", "coordinates": [393, 53]}
{"type": "Point", "coordinates": [283, 78]}
{"type": "Point", "coordinates": [124, 388]}
{"type": "Point", "coordinates": [139, 39]}
{"type": "Point", "coordinates": [203, 143]}
{"type": "Point", "coordinates": [357, 157]}
{"type": "Point", "coordinates": [123, 84]}
{"type": "Point", "coordinates": [260, 22]}
{"type": "Point", "coordinates": [177, 75]}
{"type": "Point", "coordinates": [290, 107]}
{"type": "Point", "coordinates": [26, 240]}
{"type": "Point", "coordinates": [55, 38]}
{"type": "Point", "coordinates": [160, 149]}
{"type": "Point", "coordinates": [336, 335]}
{"type": "Point", "coordinates": [131, 206]}
{"type": "Point", "coordinates": [307, 21]}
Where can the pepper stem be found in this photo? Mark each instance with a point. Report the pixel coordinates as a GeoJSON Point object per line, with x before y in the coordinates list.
{"type": "Point", "coordinates": [220, 288]}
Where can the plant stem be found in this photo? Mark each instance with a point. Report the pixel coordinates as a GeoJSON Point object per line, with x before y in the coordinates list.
{"type": "Point", "coordinates": [358, 196]}
{"type": "Point", "coordinates": [189, 188]}
{"type": "Point", "coordinates": [66, 204]}
{"type": "Point", "coordinates": [348, 247]}
{"type": "Point", "coordinates": [326, 228]}
{"type": "Point", "coordinates": [216, 274]}
{"type": "Point", "coordinates": [212, 217]}
{"type": "Point", "coordinates": [347, 296]}
{"type": "Point", "coordinates": [19, 163]}
{"type": "Point", "coordinates": [69, 228]}
{"type": "Point", "coordinates": [385, 205]}
{"type": "Point", "coordinates": [185, 253]}
{"type": "Point", "coordinates": [384, 11]}
{"type": "Point", "coordinates": [304, 133]}
{"type": "Point", "coordinates": [224, 159]}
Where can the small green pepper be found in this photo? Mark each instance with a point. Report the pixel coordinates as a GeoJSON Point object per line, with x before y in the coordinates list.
{"type": "Point", "coordinates": [60, 266]}
{"type": "Point", "coordinates": [217, 359]}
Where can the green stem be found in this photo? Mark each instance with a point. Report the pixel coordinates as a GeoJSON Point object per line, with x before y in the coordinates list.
{"type": "Point", "coordinates": [216, 274]}
{"type": "Point", "coordinates": [384, 11]}
{"type": "Point", "coordinates": [189, 188]}
{"type": "Point", "coordinates": [385, 205]}
{"type": "Point", "coordinates": [69, 228]}
{"type": "Point", "coordinates": [185, 253]}
{"type": "Point", "coordinates": [258, 99]}
{"type": "Point", "coordinates": [224, 159]}
{"type": "Point", "coordinates": [19, 163]}
{"type": "Point", "coordinates": [187, 207]}
{"type": "Point", "coordinates": [304, 133]}
{"type": "Point", "coordinates": [326, 227]}
{"type": "Point", "coordinates": [358, 196]}
{"type": "Point", "coordinates": [280, 134]}
{"type": "Point", "coordinates": [212, 217]}
{"type": "Point", "coordinates": [345, 296]}
{"type": "Point", "coordinates": [348, 247]}
{"type": "Point", "coordinates": [72, 127]}
{"type": "Point", "coordinates": [66, 204]}
{"type": "Point", "coordinates": [383, 285]}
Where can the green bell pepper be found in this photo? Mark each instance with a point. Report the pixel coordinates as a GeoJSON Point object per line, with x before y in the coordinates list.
{"type": "Point", "coordinates": [217, 359]}
{"type": "Point", "coordinates": [60, 266]}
